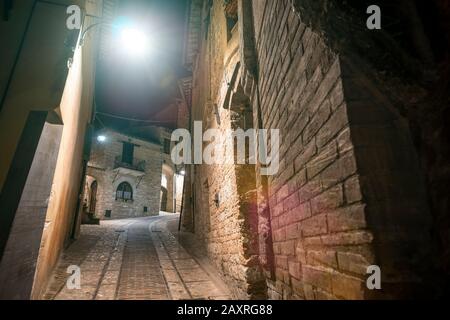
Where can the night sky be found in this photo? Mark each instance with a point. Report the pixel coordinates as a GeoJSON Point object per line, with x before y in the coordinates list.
{"type": "Point", "coordinates": [144, 87]}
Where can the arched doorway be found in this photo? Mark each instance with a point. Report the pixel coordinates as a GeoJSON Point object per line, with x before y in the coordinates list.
{"type": "Point", "coordinates": [163, 199]}
{"type": "Point", "coordinates": [93, 197]}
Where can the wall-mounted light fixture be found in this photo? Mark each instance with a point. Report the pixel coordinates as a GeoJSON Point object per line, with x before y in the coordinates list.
{"type": "Point", "coordinates": [132, 40]}
{"type": "Point", "coordinates": [92, 26]}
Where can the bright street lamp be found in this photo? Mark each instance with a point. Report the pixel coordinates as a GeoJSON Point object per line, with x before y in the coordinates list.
{"type": "Point", "coordinates": [101, 138]}
{"type": "Point", "coordinates": [131, 39]}
{"type": "Point", "coordinates": [134, 41]}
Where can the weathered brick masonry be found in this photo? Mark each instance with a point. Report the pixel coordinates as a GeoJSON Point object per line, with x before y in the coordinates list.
{"type": "Point", "coordinates": [222, 226]}
{"type": "Point", "coordinates": [349, 192]}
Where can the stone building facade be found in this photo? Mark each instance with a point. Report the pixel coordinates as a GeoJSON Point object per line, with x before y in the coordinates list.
{"type": "Point", "coordinates": [117, 187]}
{"type": "Point", "coordinates": [350, 190]}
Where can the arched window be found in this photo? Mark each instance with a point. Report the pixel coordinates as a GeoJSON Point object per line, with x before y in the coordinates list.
{"type": "Point", "coordinates": [124, 192]}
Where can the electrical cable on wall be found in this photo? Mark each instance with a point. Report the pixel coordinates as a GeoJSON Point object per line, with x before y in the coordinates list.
{"type": "Point", "coordinates": [131, 119]}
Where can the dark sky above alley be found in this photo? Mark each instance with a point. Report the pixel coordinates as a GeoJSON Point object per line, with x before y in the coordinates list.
{"type": "Point", "coordinates": [143, 88]}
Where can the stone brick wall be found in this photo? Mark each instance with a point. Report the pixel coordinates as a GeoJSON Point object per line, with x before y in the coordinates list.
{"type": "Point", "coordinates": [313, 219]}
{"type": "Point", "coordinates": [221, 226]}
{"type": "Point", "coordinates": [336, 201]}
{"type": "Point", "coordinates": [146, 190]}
{"type": "Point", "coordinates": [344, 197]}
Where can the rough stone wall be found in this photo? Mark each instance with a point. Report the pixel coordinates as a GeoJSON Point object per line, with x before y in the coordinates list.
{"type": "Point", "coordinates": [221, 226]}
{"type": "Point", "coordinates": [343, 188]}
{"type": "Point", "coordinates": [18, 265]}
{"type": "Point", "coordinates": [314, 223]}
{"type": "Point", "coordinates": [344, 197]}
{"type": "Point", "coordinates": [146, 191]}
{"type": "Point", "coordinates": [183, 115]}
{"type": "Point", "coordinates": [293, 64]}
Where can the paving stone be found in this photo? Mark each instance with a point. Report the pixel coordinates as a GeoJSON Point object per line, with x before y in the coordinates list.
{"type": "Point", "coordinates": [134, 264]}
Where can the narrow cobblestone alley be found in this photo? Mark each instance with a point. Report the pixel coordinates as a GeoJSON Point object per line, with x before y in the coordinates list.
{"type": "Point", "coordinates": [240, 150]}
{"type": "Point", "coordinates": [134, 259]}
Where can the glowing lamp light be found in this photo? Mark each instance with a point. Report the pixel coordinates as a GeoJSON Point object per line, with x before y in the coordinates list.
{"type": "Point", "coordinates": [134, 41]}
{"type": "Point", "coordinates": [101, 138]}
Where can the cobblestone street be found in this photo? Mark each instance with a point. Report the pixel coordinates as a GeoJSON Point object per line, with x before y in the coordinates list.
{"type": "Point", "coordinates": [139, 259]}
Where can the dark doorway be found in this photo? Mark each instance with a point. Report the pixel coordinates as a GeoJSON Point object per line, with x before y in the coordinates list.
{"type": "Point", "coordinates": [93, 197]}
{"type": "Point", "coordinates": [163, 199]}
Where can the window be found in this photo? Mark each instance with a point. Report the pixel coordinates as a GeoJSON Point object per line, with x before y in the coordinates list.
{"type": "Point", "coordinates": [128, 153]}
{"type": "Point", "coordinates": [124, 192]}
